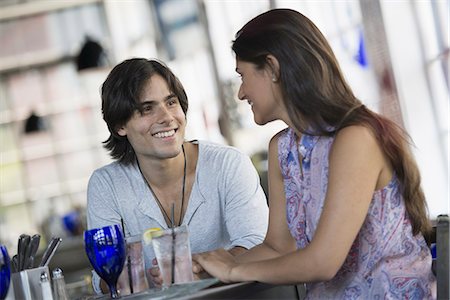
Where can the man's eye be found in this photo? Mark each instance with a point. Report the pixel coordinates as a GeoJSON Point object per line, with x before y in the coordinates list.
{"type": "Point", "coordinates": [173, 101]}
{"type": "Point", "coordinates": [146, 109]}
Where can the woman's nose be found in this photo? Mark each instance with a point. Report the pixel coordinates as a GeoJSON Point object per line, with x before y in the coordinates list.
{"type": "Point", "coordinates": [241, 94]}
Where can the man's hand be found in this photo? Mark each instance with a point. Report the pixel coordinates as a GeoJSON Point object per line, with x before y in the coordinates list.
{"type": "Point", "coordinates": [155, 274]}
{"type": "Point", "coordinates": [238, 250]}
{"type": "Point", "coordinates": [104, 287]}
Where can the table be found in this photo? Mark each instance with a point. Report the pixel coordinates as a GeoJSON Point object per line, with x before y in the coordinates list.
{"type": "Point", "coordinates": [213, 289]}
{"type": "Point", "coordinates": [249, 290]}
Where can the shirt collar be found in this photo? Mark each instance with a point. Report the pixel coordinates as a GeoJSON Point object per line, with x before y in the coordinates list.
{"type": "Point", "coordinates": [306, 145]}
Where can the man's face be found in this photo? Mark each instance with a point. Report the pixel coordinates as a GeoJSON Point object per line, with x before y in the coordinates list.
{"type": "Point", "coordinates": [158, 131]}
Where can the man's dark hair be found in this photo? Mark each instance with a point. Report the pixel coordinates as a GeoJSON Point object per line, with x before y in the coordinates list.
{"type": "Point", "coordinates": [121, 94]}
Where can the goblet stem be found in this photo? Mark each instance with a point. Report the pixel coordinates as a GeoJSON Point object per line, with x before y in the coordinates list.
{"type": "Point", "coordinates": [113, 291]}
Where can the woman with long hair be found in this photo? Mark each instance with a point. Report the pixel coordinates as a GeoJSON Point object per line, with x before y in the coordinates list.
{"type": "Point", "coordinates": [347, 213]}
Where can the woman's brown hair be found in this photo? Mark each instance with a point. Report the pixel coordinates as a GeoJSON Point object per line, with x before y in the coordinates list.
{"type": "Point", "coordinates": [318, 99]}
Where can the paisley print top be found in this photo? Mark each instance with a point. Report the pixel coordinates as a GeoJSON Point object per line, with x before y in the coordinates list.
{"type": "Point", "coordinates": [385, 261]}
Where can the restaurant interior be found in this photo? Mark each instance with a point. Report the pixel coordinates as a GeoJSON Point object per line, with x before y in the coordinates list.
{"type": "Point", "coordinates": [54, 56]}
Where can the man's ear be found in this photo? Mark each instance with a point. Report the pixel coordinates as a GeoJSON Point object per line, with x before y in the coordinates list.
{"type": "Point", "coordinates": [274, 67]}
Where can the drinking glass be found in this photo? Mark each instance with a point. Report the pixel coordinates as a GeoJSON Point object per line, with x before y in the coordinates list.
{"type": "Point", "coordinates": [172, 246]}
{"type": "Point", "coordinates": [5, 272]}
{"type": "Point", "coordinates": [105, 248]}
{"type": "Point", "coordinates": [133, 278]}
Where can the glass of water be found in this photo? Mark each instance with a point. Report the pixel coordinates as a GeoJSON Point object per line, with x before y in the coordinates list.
{"type": "Point", "coordinates": [173, 253]}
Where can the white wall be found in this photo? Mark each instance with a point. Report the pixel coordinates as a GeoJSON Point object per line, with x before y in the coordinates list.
{"type": "Point", "coordinates": [416, 100]}
{"type": "Point", "coordinates": [339, 21]}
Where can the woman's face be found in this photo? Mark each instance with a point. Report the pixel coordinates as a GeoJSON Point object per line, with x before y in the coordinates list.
{"type": "Point", "coordinates": [261, 92]}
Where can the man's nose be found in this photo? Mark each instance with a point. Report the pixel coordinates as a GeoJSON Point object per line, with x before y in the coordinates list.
{"type": "Point", "coordinates": [164, 115]}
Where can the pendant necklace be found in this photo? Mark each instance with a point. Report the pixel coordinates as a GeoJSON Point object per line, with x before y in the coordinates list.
{"type": "Point", "coordinates": [182, 193]}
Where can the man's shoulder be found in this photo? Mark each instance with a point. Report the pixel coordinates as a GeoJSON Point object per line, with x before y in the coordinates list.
{"type": "Point", "coordinates": [112, 175]}
{"type": "Point", "coordinates": [113, 168]}
{"type": "Point", "coordinates": [211, 148]}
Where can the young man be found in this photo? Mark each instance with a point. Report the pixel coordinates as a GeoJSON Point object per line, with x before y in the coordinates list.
{"type": "Point", "coordinates": [214, 189]}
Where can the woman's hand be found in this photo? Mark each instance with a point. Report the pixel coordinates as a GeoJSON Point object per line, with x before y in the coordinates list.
{"type": "Point", "coordinates": [218, 263]}
{"type": "Point", "coordinates": [199, 272]}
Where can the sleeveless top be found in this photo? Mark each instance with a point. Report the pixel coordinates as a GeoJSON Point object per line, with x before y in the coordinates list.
{"type": "Point", "coordinates": [385, 261]}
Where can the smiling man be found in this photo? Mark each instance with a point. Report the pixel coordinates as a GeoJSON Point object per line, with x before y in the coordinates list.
{"type": "Point", "coordinates": [214, 189]}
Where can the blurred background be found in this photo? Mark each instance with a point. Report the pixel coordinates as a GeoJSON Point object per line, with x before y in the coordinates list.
{"type": "Point", "coordinates": [54, 55]}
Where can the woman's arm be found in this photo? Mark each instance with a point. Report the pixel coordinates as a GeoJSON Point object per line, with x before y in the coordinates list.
{"type": "Point", "coordinates": [355, 164]}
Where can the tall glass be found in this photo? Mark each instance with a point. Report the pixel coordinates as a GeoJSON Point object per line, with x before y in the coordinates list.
{"type": "Point", "coordinates": [5, 272]}
{"type": "Point", "coordinates": [105, 248]}
{"type": "Point", "coordinates": [173, 253]}
{"type": "Point", "coordinates": [133, 278]}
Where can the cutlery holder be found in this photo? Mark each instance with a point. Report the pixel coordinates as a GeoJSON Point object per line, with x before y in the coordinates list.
{"type": "Point", "coordinates": [27, 284]}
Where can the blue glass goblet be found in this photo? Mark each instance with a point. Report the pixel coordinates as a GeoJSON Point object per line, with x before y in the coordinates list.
{"type": "Point", "coordinates": [5, 272]}
{"type": "Point", "coordinates": [105, 248]}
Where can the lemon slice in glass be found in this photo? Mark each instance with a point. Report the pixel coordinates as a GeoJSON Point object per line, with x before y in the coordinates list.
{"type": "Point", "coordinates": [149, 233]}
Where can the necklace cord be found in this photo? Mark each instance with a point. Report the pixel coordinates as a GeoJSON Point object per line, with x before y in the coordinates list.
{"type": "Point", "coordinates": [184, 185]}
{"type": "Point", "coordinates": [182, 192]}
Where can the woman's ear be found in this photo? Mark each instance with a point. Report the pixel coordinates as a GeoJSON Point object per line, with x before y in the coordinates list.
{"type": "Point", "coordinates": [121, 131]}
{"type": "Point", "coordinates": [274, 67]}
